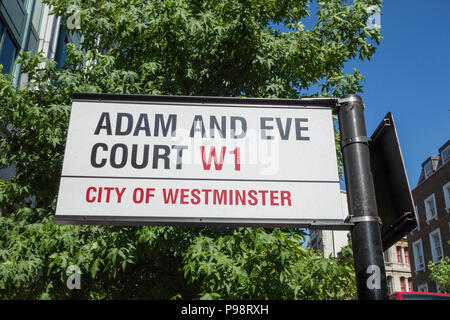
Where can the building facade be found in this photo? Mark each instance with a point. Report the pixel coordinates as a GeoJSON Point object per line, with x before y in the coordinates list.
{"type": "Point", "coordinates": [429, 241]}
{"type": "Point", "coordinates": [331, 242]}
{"type": "Point", "coordinates": [28, 25]}
{"type": "Point", "coordinates": [396, 258]}
{"type": "Point", "coordinates": [19, 29]}
{"type": "Point", "coordinates": [398, 267]}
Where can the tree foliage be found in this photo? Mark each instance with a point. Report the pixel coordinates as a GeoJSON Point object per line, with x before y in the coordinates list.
{"type": "Point", "coordinates": [441, 273]}
{"type": "Point", "coordinates": [188, 47]}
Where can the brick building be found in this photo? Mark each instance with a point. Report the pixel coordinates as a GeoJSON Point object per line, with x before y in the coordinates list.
{"type": "Point", "coordinates": [429, 241]}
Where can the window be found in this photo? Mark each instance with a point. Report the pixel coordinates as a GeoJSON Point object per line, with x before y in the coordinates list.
{"type": "Point", "coordinates": [7, 50]}
{"type": "Point", "coordinates": [436, 245]}
{"type": "Point", "coordinates": [430, 207]}
{"type": "Point", "coordinates": [37, 15]}
{"type": "Point", "coordinates": [409, 284]}
{"type": "Point", "coordinates": [445, 154]}
{"type": "Point", "coordinates": [405, 250]}
{"type": "Point", "coordinates": [428, 169]}
{"type": "Point", "coordinates": [402, 284]}
{"type": "Point", "coordinates": [389, 285]}
{"type": "Point", "coordinates": [399, 255]}
{"type": "Point", "coordinates": [418, 255]}
{"type": "Point", "coordinates": [423, 287]}
{"type": "Point", "coordinates": [446, 190]}
{"type": "Point", "coordinates": [386, 256]}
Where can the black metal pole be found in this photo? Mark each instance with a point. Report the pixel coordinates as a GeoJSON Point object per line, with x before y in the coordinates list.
{"type": "Point", "coordinates": [366, 235]}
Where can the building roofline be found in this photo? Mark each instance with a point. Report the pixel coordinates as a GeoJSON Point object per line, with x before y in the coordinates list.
{"type": "Point", "coordinates": [445, 145]}
{"type": "Point", "coordinates": [427, 179]}
{"type": "Point", "coordinates": [429, 159]}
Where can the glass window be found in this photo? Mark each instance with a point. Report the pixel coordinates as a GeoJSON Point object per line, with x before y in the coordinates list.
{"type": "Point", "coordinates": [37, 15]}
{"type": "Point", "coordinates": [445, 154]}
{"type": "Point", "coordinates": [399, 254]}
{"type": "Point", "coordinates": [409, 284]}
{"type": "Point", "coordinates": [405, 250]}
{"type": "Point", "coordinates": [389, 285]}
{"type": "Point", "coordinates": [7, 52]}
{"type": "Point", "coordinates": [418, 255]}
{"type": "Point", "coordinates": [386, 256]}
{"type": "Point", "coordinates": [428, 169]}
{"type": "Point", "coordinates": [424, 296]}
{"type": "Point", "coordinates": [402, 284]}
{"type": "Point", "coordinates": [430, 207]}
{"type": "Point", "coordinates": [423, 287]}
{"type": "Point", "coordinates": [436, 245]}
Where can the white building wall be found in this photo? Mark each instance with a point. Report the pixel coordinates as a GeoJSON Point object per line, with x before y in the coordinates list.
{"type": "Point", "coordinates": [331, 242]}
{"type": "Point", "coordinates": [398, 271]}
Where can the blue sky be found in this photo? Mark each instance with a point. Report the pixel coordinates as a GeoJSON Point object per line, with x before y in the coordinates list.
{"type": "Point", "coordinates": [409, 75]}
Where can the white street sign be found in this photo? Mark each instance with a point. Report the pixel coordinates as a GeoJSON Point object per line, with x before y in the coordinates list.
{"type": "Point", "coordinates": [197, 160]}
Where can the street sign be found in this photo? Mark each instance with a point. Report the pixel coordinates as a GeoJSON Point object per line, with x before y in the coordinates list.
{"type": "Point", "coordinates": [173, 160]}
{"type": "Point", "coordinates": [394, 200]}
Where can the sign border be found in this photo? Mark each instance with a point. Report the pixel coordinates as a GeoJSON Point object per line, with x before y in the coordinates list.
{"type": "Point", "coordinates": [303, 103]}
{"type": "Point", "coordinates": [319, 224]}
{"type": "Point", "coordinates": [322, 103]}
